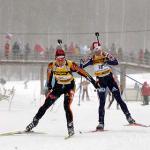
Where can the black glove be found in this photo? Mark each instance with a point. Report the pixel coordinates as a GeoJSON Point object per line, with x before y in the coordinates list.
{"type": "Point", "coordinates": [81, 65]}
{"type": "Point", "coordinates": [49, 88]}
{"type": "Point", "coordinates": [95, 84]}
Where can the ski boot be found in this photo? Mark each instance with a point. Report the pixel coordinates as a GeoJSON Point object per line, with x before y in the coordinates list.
{"type": "Point", "coordinates": [32, 125]}
{"type": "Point", "coordinates": [130, 120]}
{"type": "Point", "coordinates": [70, 129]}
{"type": "Point", "coordinates": [100, 126]}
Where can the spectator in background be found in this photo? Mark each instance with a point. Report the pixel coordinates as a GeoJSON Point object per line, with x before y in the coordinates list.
{"type": "Point", "coordinates": [120, 54]}
{"type": "Point", "coordinates": [46, 53]}
{"type": "Point", "coordinates": [136, 86]}
{"type": "Point", "coordinates": [65, 48]}
{"type": "Point", "coordinates": [38, 50]}
{"type": "Point", "coordinates": [27, 50]}
{"type": "Point", "coordinates": [84, 86]}
{"type": "Point", "coordinates": [145, 93]}
{"type": "Point", "coordinates": [77, 50]}
{"type": "Point", "coordinates": [15, 50]}
{"type": "Point", "coordinates": [70, 50]}
{"type": "Point", "coordinates": [146, 56]}
{"type": "Point", "coordinates": [141, 56]}
{"type": "Point", "coordinates": [132, 57]}
{"type": "Point", "coordinates": [112, 50]}
{"type": "Point", "coordinates": [52, 50]}
{"type": "Point", "coordinates": [22, 48]}
{"type": "Point", "coordinates": [7, 50]}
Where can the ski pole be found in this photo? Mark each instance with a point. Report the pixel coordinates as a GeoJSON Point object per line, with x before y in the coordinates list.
{"type": "Point", "coordinates": [97, 36]}
{"type": "Point", "coordinates": [80, 87]}
{"type": "Point", "coordinates": [128, 76]}
{"type": "Point", "coordinates": [59, 42]}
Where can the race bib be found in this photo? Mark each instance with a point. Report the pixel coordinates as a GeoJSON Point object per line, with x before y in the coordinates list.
{"type": "Point", "coordinates": [101, 70]}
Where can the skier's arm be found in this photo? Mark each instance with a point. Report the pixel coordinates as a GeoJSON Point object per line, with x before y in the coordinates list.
{"type": "Point", "coordinates": [49, 76]}
{"type": "Point", "coordinates": [110, 60]}
{"type": "Point", "coordinates": [82, 72]}
{"type": "Point", "coordinates": [87, 63]}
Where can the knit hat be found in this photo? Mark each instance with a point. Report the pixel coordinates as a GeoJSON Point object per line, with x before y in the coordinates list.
{"type": "Point", "coordinates": [59, 52]}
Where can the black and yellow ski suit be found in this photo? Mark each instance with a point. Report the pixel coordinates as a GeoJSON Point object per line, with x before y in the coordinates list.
{"type": "Point", "coordinates": [104, 76]}
{"type": "Point", "coordinates": [64, 84]}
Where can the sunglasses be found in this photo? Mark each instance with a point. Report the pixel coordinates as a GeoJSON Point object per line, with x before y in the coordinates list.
{"type": "Point", "coordinates": [60, 58]}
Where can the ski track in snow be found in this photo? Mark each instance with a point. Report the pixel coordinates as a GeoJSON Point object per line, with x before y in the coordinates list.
{"type": "Point", "coordinates": [27, 101]}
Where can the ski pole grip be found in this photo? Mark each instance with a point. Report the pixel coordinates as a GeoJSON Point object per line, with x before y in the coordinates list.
{"type": "Point", "coordinates": [59, 41]}
{"type": "Point", "coordinates": [81, 63]}
{"type": "Point", "coordinates": [97, 34]}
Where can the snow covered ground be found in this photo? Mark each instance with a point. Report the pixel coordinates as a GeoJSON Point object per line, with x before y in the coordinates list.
{"type": "Point", "coordinates": [27, 101]}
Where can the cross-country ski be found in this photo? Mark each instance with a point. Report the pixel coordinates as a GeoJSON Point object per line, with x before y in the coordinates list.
{"type": "Point", "coordinates": [138, 125]}
{"type": "Point", "coordinates": [20, 132]}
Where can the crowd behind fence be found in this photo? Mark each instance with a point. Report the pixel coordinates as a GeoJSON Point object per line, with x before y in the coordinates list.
{"type": "Point", "coordinates": [17, 51]}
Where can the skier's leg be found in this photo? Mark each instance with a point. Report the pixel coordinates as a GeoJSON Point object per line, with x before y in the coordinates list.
{"type": "Point", "coordinates": [51, 98]}
{"type": "Point", "coordinates": [68, 98]}
{"type": "Point", "coordinates": [102, 97]}
{"type": "Point", "coordinates": [116, 92]}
